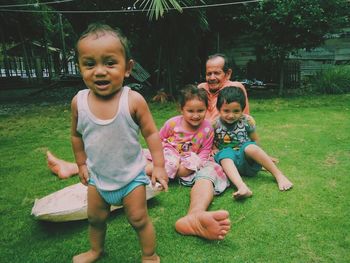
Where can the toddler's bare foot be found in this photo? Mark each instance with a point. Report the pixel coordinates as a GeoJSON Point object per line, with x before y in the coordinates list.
{"type": "Point", "coordinates": [151, 259]}
{"type": "Point", "coordinates": [212, 225]}
{"type": "Point", "coordinates": [87, 257]}
{"type": "Point", "coordinates": [283, 183]}
{"type": "Point", "coordinates": [241, 193]}
{"type": "Point", "coordinates": [61, 168]}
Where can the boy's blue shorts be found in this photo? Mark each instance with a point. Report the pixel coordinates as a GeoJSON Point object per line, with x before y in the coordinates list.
{"type": "Point", "coordinates": [116, 197]}
{"type": "Point", "coordinates": [244, 167]}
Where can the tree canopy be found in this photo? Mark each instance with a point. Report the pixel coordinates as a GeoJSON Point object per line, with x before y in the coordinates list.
{"type": "Point", "coordinates": [283, 27]}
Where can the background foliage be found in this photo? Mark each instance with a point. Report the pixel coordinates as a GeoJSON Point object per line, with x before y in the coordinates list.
{"type": "Point", "coordinates": [173, 46]}
{"type": "Point", "coordinates": [334, 80]}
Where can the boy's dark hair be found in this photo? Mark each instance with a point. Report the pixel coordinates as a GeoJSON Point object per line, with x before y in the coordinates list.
{"type": "Point", "coordinates": [190, 92]}
{"type": "Point", "coordinates": [227, 62]}
{"type": "Point", "coordinates": [231, 94]}
{"type": "Point", "coordinates": [99, 29]}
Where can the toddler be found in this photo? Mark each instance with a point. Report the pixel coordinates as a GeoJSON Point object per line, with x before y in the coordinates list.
{"type": "Point", "coordinates": [106, 119]}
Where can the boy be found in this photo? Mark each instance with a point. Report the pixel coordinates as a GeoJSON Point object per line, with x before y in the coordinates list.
{"type": "Point", "coordinates": [235, 144]}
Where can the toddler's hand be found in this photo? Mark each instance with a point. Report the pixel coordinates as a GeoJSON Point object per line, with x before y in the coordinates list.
{"type": "Point", "coordinates": [83, 174]}
{"type": "Point", "coordinates": [159, 174]}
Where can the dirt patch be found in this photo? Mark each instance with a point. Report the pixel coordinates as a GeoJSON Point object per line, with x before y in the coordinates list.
{"type": "Point", "coordinates": [331, 160]}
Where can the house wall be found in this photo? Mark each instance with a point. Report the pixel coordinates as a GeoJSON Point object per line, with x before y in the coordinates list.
{"type": "Point", "coordinates": [335, 51]}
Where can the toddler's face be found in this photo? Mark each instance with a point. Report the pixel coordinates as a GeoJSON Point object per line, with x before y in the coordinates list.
{"type": "Point", "coordinates": [193, 113]}
{"type": "Point", "coordinates": [230, 112]}
{"type": "Point", "coordinates": [102, 63]}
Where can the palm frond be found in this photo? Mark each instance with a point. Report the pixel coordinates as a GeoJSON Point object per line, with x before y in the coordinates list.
{"type": "Point", "coordinates": [157, 8]}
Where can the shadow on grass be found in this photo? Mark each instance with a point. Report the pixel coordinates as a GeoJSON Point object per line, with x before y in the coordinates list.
{"type": "Point", "coordinates": [62, 228]}
{"type": "Point", "coordinates": [151, 204]}
{"type": "Point", "coordinates": [262, 177]}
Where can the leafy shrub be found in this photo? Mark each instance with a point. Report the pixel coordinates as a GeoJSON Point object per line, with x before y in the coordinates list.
{"type": "Point", "coordinates": [333, 80]}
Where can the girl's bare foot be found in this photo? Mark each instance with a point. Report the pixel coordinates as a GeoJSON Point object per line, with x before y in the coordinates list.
{"type": "Point", "coordinates": [61, 168]}
{"type": "Point", "coordinates": [283, 183]}
{"type": "Point", "coordinates": [241, 193]}
{"type": "Point", "coordinates": [87, 257]}
{"type": "Point", "coordinates": [212, 225]}
{"type": "Point", "coordinates": [151, 259]}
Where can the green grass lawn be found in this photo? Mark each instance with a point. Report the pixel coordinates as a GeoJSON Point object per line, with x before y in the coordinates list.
{"type": "Point", "coordinates": [310, 223]}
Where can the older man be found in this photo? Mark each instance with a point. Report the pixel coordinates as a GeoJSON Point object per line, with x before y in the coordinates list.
{"type": "Point", "coordinates": [218, 74]}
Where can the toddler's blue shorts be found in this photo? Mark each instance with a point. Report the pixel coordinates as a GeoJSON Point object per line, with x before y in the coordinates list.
{"type": "Point", "coordinates": [116, 197]}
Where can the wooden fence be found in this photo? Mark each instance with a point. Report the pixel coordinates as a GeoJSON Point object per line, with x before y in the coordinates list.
{"type": "Point", "coordinates": [269, 73]}
{"type": "Point", "coordinates": [15, 72]}
{"type": "Point", "coordinates": [35, 68]}
{"type": "Point", "coordinates": [40, 69]}
{"type": "Point", "coordinates": [292, 74]}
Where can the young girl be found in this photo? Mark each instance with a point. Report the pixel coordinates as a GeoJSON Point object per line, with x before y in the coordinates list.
{"type": "Point", "coordinates": [106, 119]}
{"type": "Point", "coordinates": [187, 141]}
{"type": "Point", "coordinates": [236, 144]}
{"type": "Point", "coordinates": [187, 138]}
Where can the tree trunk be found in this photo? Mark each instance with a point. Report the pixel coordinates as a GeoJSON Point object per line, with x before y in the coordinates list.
{"type": "Point", "coordinates": [6, 62]}
{"type": "Point", "coordinates": [25, 55]}
{"type": "Point", "coordinates": [170, 74]}
{"type": "Point", "coordinates": [64, 54]}
{"type": "Point", "coordinates": [281, 80]}
{"type": "Point", "coordinates": [281, 73]}
{"type": "Point", "coordinates": [47, 56]}
{"type": "Point", "coordinates": [218, 43]}
{"type": "Point", "coordinates": [159, 73]}
{"type": "Point", "coordinates": [38, 69]}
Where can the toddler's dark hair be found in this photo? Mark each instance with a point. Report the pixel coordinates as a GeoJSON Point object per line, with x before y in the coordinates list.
{"type": "Point", "coordinates": [190, 92]}
{"type": "Point", "coordinates": [231, 94]}
{"type": "Point", "coordinates": [99, 29]}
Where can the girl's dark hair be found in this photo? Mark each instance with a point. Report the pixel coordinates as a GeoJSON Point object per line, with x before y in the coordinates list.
{"type": "Point", "coordinates": [231, 94]}
{"type": "Point", "coordinates": [99, 29]}
{"type": "Point", "coordinates": [190, 92]}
